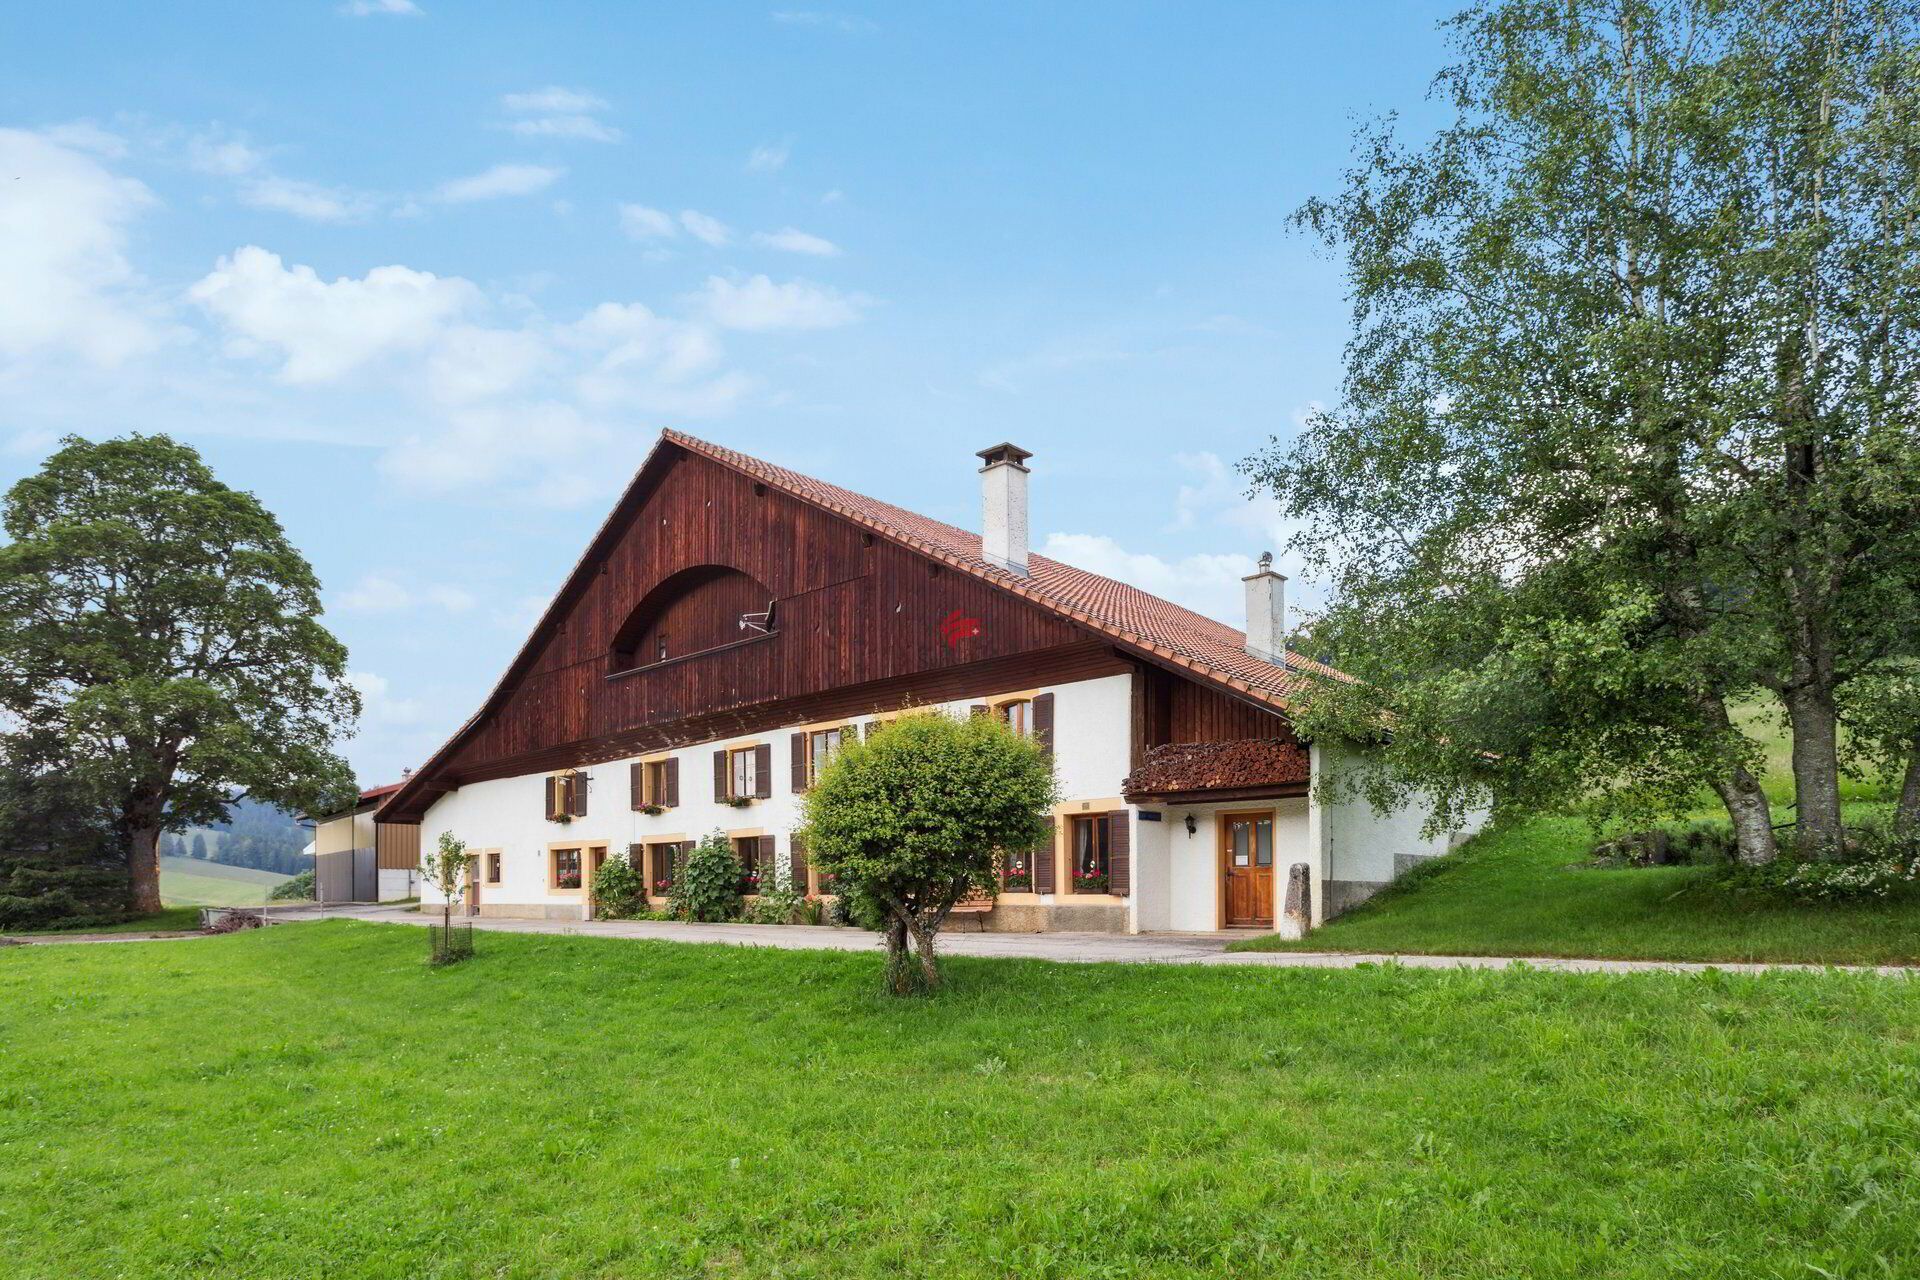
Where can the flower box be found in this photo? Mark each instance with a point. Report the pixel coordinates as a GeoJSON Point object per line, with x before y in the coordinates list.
{"type": "Point", "coordinates": [1089, 882]}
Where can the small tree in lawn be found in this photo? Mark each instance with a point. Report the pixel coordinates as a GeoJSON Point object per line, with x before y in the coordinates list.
{"type": "Point", "coordinates": [915, 817]}
{"type": "Point", "coordinates": [447, 870]}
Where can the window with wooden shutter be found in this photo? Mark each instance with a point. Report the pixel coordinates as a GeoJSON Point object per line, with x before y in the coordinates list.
{"type": "Point", "coordinates": [1043, 722]}
{"type": "Point", "coordinates": [980, 709]}
{"type": "Point", "coordinates": [1090, 846]}
{"type": "Point", "coordinates": [763, 771]}
{"type": "Point", "coordinates": [577, 795]}
{"type": "Point", "coordinates": [797, 862]}
{"type": "Point", "coordinates": [553, 809]}
{"type": "Point", "coordinates": [764, 868]}
{"type": "Point", "coordinates": [747, 850]}
{"type": "Point", "coordinates": [637, 785]}
{"type": "Point", "coordinates": [1043, 881]}
{"type": "Point", "coordinates": [666, 859]}
{"type": "Point", "coordinates": [720, 766]}
{"type": "Point", "coordinates": [1119, 854]}
{"type": "Point", "coordinates": [802, 762]}
{"type": "Point", "coordinates": [670, 782]}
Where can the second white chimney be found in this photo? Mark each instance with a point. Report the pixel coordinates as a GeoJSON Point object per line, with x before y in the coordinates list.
{"type": "Point", "coordinates": [1003, 507]}
{"type": "Point", "coordinates": [1267, 612]}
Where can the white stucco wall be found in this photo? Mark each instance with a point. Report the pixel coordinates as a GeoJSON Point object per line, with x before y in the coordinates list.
{"type": "Point", "coordinates": [1152, 866]}
{"type": "Point", "coordinates": [1363, 845]}
{"type": "Point", "coordinates": [1192, 868]}
{"type": "Point", "coordinates": [1091, 726]}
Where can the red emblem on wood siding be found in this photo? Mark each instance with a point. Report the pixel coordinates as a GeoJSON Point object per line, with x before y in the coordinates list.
{"type": "Point", "coordinates": [957, 627]}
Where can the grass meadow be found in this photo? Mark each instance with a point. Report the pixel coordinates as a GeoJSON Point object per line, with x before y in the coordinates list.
{"type": "Point", "coordinates": [314, 1100]}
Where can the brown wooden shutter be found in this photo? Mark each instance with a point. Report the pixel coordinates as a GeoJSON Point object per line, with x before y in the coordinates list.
{"type": "Point", "coordinates": [720, 775]}
{"type": "Point", "coordinates": [980, 709]}
{"type": "Point", "coordinates": [873, 727]}
{"type": "Point", "coordinates": [637, 859]}
{"type": "Point", "coordinates": [1043, 881]}
{"type": "Point", "coordinates": [1043, 722]}
{"type": "Point", "coordinates": [553, 798]}
{"type": "Point", "coordinates": [799, 741]}
{"type": "Point", "coordinates": [577, 795]}
{"type": "Point", "coordinates": [767, 854]}
{"type": "Point", "coordinates": [637, 783]}
{"type": "Point", "coordinates": [797, 861]}
{"type": "Point", "coordinates": [670, 783]}
{"type": "Point", "coordinates": [763, 771]}
{"type": "Point", "coordinates": [1119, 854]}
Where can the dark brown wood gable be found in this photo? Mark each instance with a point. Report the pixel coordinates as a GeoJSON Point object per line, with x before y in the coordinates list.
{"type": "Point", "coordinates": [852, 612]}
{"type": "Point", "coordinates": [1171, 706]}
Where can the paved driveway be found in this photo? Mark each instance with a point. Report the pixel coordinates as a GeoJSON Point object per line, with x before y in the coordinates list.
{"type": "Point", "coordinates": [1072, 948]}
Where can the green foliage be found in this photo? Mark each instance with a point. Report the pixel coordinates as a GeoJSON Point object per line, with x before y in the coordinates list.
{"type": "Point", "coordinates": [295, 889]}
{"type": "Point", "coordinates": [1880, 862]}
{"type": "Point", "coordinates": [1542, 1125]}
{"type": "Point", "coordinates": [62, 862]}
{"type": "Point", "coordinates": [913, 819]}
{"type": "Point", "coordinates": [159, 625]}
{"type": "Point", "coordinates": [707, 886]}
{"type": "Point", "coordinates": [619, 890]}
{"type": "Point", "coordinates": [1628, 431]}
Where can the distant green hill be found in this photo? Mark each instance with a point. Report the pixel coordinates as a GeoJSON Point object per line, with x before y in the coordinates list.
{"type": "Point", "coordinates": [191, 882]}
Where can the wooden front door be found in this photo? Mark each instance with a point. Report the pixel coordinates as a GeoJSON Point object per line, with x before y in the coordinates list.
{"type": "Point", "coordinates": [473, 886]}
{"type": "Point", "coordinates": [1246, 856]}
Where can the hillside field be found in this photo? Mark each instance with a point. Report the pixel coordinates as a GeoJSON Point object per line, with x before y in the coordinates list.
{"type": "Point", "coordinates": [192, 882]}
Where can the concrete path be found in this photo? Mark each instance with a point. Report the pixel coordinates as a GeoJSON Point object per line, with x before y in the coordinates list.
{"type": "Point", "coordinates": [1072, 948]}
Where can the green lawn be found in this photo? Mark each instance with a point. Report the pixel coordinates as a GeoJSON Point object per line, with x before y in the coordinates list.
{"type": "Point", "coordinates": [1524, 892]}
{"type": "Point", "coordinates": [311, 1099]}
{"type": "Point", "coordinates": [191, 881]}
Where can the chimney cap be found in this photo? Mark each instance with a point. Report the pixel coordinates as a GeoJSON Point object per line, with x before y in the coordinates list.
{"type": "Point", "coordinates": [1006, 452]}
{"type": "Point", "coordinates": [1266, 569]}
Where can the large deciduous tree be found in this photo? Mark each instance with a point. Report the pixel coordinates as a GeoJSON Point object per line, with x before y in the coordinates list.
{"type": "Point", "coordinates": [160, 627]}
{"type": "Point", "coordinates": [1629, 432]}
{"type": "Point", "coordinates": [914, 819]}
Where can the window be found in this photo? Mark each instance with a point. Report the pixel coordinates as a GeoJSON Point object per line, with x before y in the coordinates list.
{"type": "Point", "coordinates": [822, 746]}
{"type": "Point", "coordinates": [566, 796]}
{"type": "Point", "coordinates": [667, 857]}
{"type": "Point", "coordinates": [1091, 855]}
{"type": "Point", "coordinates": [1016, 872]}
{"type": "Point", "coordinates": [743, 773]}
{"type": "Point", "coordinates": [656, 782]}
{"type": "Point", "coordinates": [754, 867]}
{"type": "Point", "coordinates": [566, 869]}
{"type": "Point", "coordinates": [493, 866]}
{"type": "Point", "coordinates": [1017, 714]}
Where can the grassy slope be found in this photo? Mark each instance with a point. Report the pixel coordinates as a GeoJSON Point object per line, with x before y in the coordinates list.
{"type": "Point", "coordinates": [193, 881]}
{"type": "Point", "coordinates": [312, 1099]}
{"type": "Point", "coordinates": [1522, 892]}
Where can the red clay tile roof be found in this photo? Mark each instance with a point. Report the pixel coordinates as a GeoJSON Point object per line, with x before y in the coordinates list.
{"type": "Point", "coordinates": [1219, 766]}
{"type": "Point", "coordinates": [1210, 648]}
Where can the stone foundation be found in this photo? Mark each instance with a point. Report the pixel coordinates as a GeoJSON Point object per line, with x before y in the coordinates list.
{"type": "Point", "coordinates": [1064, 917]}
{"type": "Point", "coordinates": [526, 911]}
{"type": "Point", "coordinates": [1344, 895]}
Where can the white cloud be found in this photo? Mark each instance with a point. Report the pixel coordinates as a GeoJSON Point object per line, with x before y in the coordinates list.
{"type": "Point", "coordinates": [225, 157]}
{"type": "Point", "coordinates": [377, 703]}
{"type": "Point", "coordinates": [85, 135]}
{"type": "Point", "coordinates": [327, 330]}
{"type": "Point", "coordinates": [473, 363]}
{"type": "Point", "coordinates": [816, 18]}
{"type": "Point", "coordinates": [768, 158]}
{"type": "Point", "coordinates": [793, 240]}
{"type": "Point", "coordinates": [643, 223]}
{"type": "Point", "coordinates": [1207, 584]}
{"type": "Point", "coordinates": [305, 200]}
{"type": "Point", "coordinates": [500, 180]}
{"type": "Point", "coordinates": [381, 592]}
{"type": "Point", "coordinates": [708, 230]}
{"type": "Point", "coordinates": [757, 303]}
{"type": "Point", "coordinates": [65, 282]}
{"type": "Point", "coordinates": [577, 128]}
{"type": "Point", "coordinates": [554, 99]}
{"type": "Point", "coordinates": [1217, 497]}
{"type": "Point", "coordinates": [391, 8]}
{"type": "Point", "coordinates": [556, 112]}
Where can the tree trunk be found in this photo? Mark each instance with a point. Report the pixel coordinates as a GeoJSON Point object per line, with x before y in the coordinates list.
{"type": "Point", "coordinates": [1816, 771]}
{"type": "Point", "coordinates": [899, 968]}
{"type": "Point", "coordinates": [1906, 814]}
{"type": "Point", "coordinates": [1752, 817]}
{"type": "Point", "coordinates": [924, 934]}
{"type": "Point", "coordinates": [143, 868]}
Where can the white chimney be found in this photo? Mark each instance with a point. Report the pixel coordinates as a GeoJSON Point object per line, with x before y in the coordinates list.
{"type": "Point", "coordinates": [1003, 507]}
{"type": "Point", "coordinates": [1267, 612]}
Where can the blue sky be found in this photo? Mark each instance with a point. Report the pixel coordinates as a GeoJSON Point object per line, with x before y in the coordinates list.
{"type": "Point", "coordinates": [429, 276]}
